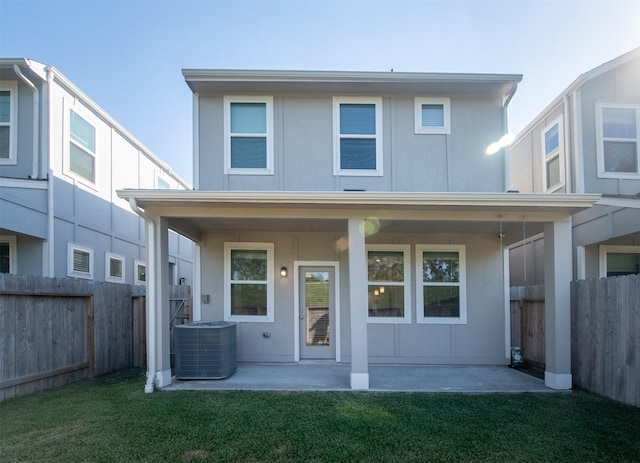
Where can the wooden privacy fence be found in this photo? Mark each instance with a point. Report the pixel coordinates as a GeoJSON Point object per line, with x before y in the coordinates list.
{"type": "Point", "coordinates": [605, 338]}
{"type": "Point", "coordinates": [57, 331]}
{"type": "Point", "coordinates": [527, 323]}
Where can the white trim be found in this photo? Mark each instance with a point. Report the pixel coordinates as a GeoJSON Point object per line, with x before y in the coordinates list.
{"type": "Point", "coordinates": [406, 252]}
{"type": "Point", "coordinates": [136, 264]}
{"type": "Point", "coordinates": [296, 303]}
{"type": "Point", "coordinates": [197, 283]}
{"type": "Point", "coordinates": [269, 248]}
{"type": "Point", "coordinates": [359, 381]}
{"type": "Point", "coordinates": [13, 251]}
{"type": "Point", "coordinates": [558, 153]}
{"type": "Point", "coordinates": [71, 272]}
{"type": "Point", "coordinates": [11, 86]}
{"type": "Point", "coordinates": [462, 284]}
{"type": "Point", "coordinates": [337, 170]}
{"type": "Point", "coordinates": [559, 381]}
{"type": "Point", "coordinates": [605, 249]}
{"type": "Point", "coordinates": [23, 183]}
{"type": "Point", "coordinates": [578, 147]}
{"type": "Point", "coordinates": [163, 378]}
{"type": "Point", "coordinates": [446, 110]}
{"type": "Point", "coordinates": [268, 101]}
{"type": "Point", "coordinates": [195, 123]}
{"type": "Point", "coordinates": [108, 256]}
{"type": "Point", "coordinates": [600, 139]}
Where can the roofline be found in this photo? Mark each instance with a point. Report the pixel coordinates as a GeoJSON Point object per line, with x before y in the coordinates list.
{"type": "Point", "coordinates": [574, 86]}
{"type": "Point", "coordinates": [40, 69]}
{"type": "Point", "coordinates": [362, 198]}
{"type": "Point", "coordinates": [246, 75]}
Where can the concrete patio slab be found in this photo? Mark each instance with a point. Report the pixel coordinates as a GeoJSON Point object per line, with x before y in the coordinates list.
{"type": "Point", "coordinates": [382, 378]}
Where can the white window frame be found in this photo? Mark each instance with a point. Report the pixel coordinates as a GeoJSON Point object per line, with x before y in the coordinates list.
{"type": "Point", "coordinates": [11, 86]}
{"type": "Point", "coordinates": [605, 249]}
{"type": "Point", "coordinates": [600, 139]}
{"type": "Point", "coordinates": [406, 253]}
{"type": "Point", "coordinates": [462, 284]}
{"type": "Point", "coordinates": [337, 136]}
{"type": "Point", "coordinates": [557, 153]}
{"type": "Point", "coordinates": [446, 107]}
{"type": "Point", "coordinates": [137, 263]}
{"type": "Point", "coordinates": [269, 248]}
{"type": "Point", "coordinates": [89, 118]}
{"type": "Point", "coordinates": [13, 251]}
{"type": "Point", "coordinates": [71, 272]}
{"type": "Point", "coordinates": [108, 257]}
{"type": "Point", "coordinates": [268, 101]}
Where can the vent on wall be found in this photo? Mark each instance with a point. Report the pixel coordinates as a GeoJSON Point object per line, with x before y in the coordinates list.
{"type": "Point", "coordinates": [205, 350]}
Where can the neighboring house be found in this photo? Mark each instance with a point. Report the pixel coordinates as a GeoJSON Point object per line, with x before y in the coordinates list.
{"type": "Point", "coordinates": [62, 158]}
{"type": "Point", "coordinates": [354, 217]}
{"type": "Point", "coordinates": [586, 141]}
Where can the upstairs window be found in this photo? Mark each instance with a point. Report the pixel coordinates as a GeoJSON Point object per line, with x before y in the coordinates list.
{"type": "Point", "coordinates": [617, 128]}
{"type": "Point", "coordinates": [248, 135]}
{"type": "Point", "coordinates": [357, 136]}
{"type": "Point", "coordinates": [8, 121]}
{"type": "Point", "coordinates": [553, 157]}
{"type": "Point", "coordinates": [162, 184]}
{"type": "Point", "coordinates": [82, 147]}
{"type": "Point", "coordinates": [432, 116]}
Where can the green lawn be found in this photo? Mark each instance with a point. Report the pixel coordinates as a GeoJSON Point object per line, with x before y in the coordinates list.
{"type": "Point", "coordinates": [111, 419]}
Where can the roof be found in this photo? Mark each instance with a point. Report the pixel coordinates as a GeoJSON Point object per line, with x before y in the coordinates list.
{"type": "Point", "coordinates": [346, 82]}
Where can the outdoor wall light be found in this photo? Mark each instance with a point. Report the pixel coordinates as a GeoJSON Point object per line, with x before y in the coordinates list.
{"type": "Point", "coordinates": [283, 272]}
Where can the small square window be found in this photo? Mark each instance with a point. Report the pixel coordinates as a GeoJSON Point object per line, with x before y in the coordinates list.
{"type": "Point", "coordinates": [79, 261]}
{"type": "Point", "coordinates": [8, 254]}
{"type": "Point", "coordinates": [358, 136]}
{"type": "Point", "coordinates": [114, 270]}
{"type": "Point", "coordinates": [248, 135]}
{"type": "Point", "coordinates": [432, 116]}
{"type": "Point", "coordinates": [140, 272]}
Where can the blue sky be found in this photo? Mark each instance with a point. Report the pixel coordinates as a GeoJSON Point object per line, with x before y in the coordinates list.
{"type": "Point", "coordinates": [128, 55]}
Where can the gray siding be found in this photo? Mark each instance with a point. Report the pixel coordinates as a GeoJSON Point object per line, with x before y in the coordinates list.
{"type": "Point", "coordinates": [480, 341]}
{"type": "Point", "coordinates": [303, 144]}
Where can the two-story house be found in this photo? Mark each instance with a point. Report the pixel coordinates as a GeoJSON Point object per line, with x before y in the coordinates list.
{"type": "Point", "coordinates": [355, 217]}
{"type": "Point", "coordinates": [62, 158]}
{"type": "Point", "coordinates": [586, 141]}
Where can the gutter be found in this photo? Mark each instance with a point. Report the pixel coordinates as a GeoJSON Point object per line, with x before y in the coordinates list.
{"type": "Point", "coordinates": [36, 120]}
{"type": "Point", "coordinates": [151, 297]}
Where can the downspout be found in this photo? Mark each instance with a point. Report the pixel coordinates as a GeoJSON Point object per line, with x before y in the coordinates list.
{"type": "Point", "coordinates": [36, 120]}
{"type": "Point", "coordinates": [151, 296]}
{"type": "Point", "coordinates": [50, 251]}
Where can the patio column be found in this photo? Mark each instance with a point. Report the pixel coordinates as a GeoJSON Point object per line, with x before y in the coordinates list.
{"type": "Point", "coordinates": [557, 279]}
{"type": "Point", "coordinates": [358, 305]}
{"type": "Point", "coordinates": [158, 270]}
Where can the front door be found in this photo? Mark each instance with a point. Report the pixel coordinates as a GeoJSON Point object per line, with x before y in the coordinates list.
{"type": "Point", "coordinates": [317, 313]}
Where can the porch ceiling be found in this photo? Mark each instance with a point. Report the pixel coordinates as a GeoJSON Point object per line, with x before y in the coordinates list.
{"type": "Point", "coordinates": [193, 212]}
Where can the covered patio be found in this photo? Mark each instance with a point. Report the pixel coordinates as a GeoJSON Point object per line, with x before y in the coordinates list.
{"type": "Point", "coordinates": [493, 220]}
{"type": "Point", "coordinates": [323, 376]}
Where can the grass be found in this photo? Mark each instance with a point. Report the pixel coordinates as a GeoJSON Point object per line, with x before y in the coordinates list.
{"type": "Point", "coordinates": [112, 420]}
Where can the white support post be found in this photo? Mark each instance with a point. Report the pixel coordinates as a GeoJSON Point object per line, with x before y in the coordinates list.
{"type": "Point", "coordinates": [358, 305]}
{"type": "Point", "coordinates": [557, 279]}
{"type": "Point", "coordinates": [160, 272]}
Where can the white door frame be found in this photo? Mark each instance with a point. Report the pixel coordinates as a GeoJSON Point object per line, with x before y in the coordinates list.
{"type": "Point", "coordinates": [296, 302]}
